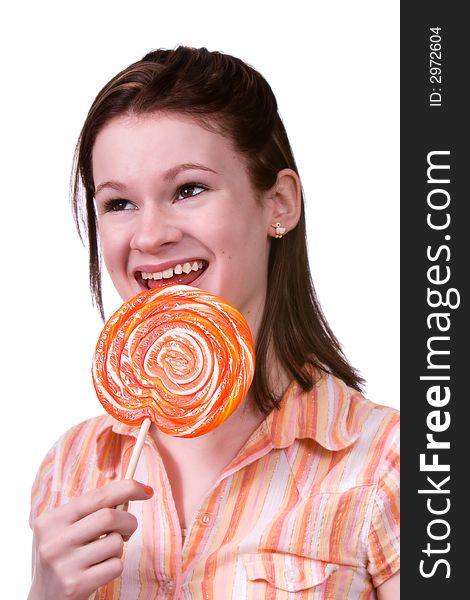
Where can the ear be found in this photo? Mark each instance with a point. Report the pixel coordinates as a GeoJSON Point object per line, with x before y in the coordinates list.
{"type": "Point", "coordinates": [285, 199]}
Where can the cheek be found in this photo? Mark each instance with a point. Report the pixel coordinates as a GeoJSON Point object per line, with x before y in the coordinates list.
{"type": "Point", "coordinates": [250, 240]}
{"type": "Point", "coordinates": [112, 247]}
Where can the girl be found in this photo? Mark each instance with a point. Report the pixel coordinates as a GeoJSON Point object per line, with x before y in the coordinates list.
{"type": "Point", "coordinates": [184, 174]}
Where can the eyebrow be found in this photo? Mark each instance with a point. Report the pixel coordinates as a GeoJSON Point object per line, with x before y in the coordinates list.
{"type": "Point", "coordinates": [167, 176]}
{"type": "Point", "coordinates": [172, 173]}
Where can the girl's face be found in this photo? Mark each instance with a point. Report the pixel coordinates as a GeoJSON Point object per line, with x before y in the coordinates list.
{"type": "Point", "coordinates": [175, 205]}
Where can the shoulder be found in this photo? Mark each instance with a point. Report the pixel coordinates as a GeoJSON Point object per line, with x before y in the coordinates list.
{"type": "Point", "coordinates": [80, 440]}
{"type": "Point", "coordinates": [91, 428]}
{"type": "Point", "coordinates": [72, 464]}
{"type": "Point", "coordinates": [88, 430]}
{"type": "Point", "coordinates": [375, 439]}
{"type": "Point", "coordinates": [356, 437]}
{"type": "Point", "coordinates": [339, 417]}
{"type": "Point", "coordinates": [380, 436]}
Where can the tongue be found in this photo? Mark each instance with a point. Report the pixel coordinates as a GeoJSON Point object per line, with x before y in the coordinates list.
{"type": "Point", "coordinates": [183, 279]}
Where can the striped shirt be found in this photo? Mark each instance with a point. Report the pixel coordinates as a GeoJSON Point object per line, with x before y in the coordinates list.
{"type": "Point", "coordinates": [308, 509]}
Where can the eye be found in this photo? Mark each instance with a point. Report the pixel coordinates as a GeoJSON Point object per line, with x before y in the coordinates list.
{"type": "Point", "coordinates": [189, 190]}
{"type": "Point", "coordinates": [117, 205]}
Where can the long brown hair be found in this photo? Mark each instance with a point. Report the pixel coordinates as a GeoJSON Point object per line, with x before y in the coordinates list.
{"type": "Point", "coordinates": [222, 92]}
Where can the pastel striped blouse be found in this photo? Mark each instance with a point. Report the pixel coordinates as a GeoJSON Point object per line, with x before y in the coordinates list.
{"type": "Point", "coordinates": [309, 508]}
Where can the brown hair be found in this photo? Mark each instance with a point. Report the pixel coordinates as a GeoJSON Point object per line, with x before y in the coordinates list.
{"type": "Point", "coordinates": [222, 91]}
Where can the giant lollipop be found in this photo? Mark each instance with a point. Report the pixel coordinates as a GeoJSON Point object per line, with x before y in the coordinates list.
{"type": "Point", "coordinates": [178, 356]}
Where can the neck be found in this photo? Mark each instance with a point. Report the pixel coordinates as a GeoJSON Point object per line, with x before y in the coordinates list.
{"type": "Point", "coordinates": [234, 432]}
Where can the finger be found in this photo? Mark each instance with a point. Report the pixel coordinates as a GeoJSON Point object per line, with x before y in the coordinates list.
{"type": "Point", "coordinates": [102, 549]}
{"type": "Point", "coordinates": [102, 573]}
{"type": "Point", "coordinates": [83, 584]}
{"type": "Point", "coordinates": [108, 496]}
{"type": "Point", "coordinates": [99, 523]}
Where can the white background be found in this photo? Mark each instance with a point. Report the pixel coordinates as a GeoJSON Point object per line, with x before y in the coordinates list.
{"type": "Point", "coordinates": [334, 69]}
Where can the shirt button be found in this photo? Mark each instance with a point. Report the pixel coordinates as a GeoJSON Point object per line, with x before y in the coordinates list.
{"type": "Point", "coordinates": [293, 574]}
{"type": "Point", "coordinates": [169, 585]}
{"type": "Point", "coordinates": [206, 519]}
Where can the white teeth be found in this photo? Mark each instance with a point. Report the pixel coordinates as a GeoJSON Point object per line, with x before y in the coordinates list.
{"type": "Point", "coordinates": [176, 270]}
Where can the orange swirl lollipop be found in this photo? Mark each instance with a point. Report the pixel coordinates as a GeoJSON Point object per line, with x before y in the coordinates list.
{"type": "Point", "coordinates": [178, 356]}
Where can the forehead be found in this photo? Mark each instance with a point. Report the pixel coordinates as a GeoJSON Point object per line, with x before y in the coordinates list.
{"type": "Point", "coordinates": [153, 128]}
{"type": "Point", "coordinates": [136, 145]}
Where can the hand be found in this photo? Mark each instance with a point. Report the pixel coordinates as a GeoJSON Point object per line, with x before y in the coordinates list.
{"type": "Point", "coordinates": [78, 546]}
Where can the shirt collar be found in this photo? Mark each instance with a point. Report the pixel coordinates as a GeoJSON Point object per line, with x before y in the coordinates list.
{"type": "Point", "coordinates": [331, 413]}
{"type": "Point", "coordinates": [123, 429]}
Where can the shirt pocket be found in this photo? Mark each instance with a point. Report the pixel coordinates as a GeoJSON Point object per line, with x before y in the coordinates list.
{"type": "Point", "coordinates": [286, 573]}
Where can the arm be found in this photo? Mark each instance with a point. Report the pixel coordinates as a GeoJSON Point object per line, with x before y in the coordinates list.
{"type": "Point", "coordinates": [390, 589]}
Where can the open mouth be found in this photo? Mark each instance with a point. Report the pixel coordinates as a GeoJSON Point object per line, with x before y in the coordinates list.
{"type": "Point", "coordinates": [181, 274]}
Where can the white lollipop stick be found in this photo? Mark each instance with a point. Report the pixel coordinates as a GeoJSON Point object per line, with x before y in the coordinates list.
{"type": "Point", "coordinates": [139, 444]}
{"type": "Point", "coordinates": [136, 452]}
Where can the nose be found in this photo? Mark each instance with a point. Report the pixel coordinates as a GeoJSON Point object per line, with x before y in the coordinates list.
{"type": "Point", "coordinates": [154, 229]}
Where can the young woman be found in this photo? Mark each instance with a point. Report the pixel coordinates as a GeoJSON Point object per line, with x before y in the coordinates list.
{"type": "Point", "coordinates": [184, 174]}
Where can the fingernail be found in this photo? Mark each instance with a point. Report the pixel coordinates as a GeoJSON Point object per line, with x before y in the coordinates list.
{"type": "Point", "coordinates": [148, 490]}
